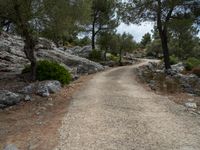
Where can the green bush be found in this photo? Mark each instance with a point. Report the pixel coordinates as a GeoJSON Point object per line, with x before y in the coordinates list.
{"type": "Point", "coordinates": [173, 60]}
{"type": "Point", "coordinates": [95, 55]}
{"type": "Point", "coordinates": [113, 58]}
{"type": "Point", "coordinates": [192, 63]}
{"type": "Point", "coordinates": [48, 70]}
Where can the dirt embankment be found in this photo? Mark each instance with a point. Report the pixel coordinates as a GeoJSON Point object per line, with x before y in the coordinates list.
{"type": "Point", "coordinates": [34, 125]}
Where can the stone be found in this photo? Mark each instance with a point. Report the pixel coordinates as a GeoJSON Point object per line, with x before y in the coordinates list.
{"type": "Point", "coordinates": [10, 147]}
{"type": "Point", "coordinates": [8, 98]}
{"type": "Point", "coordinates": [178, 67]}
{"type": "Point", "coordinates": [191, 105]}
{"type": "Point", "coordinates": [44, 88]}
{"type": "Point", "coordinates": [27, 98]}
{"type": "Point", "coordinates": [13, 59]}
{"type": "Point", "coordinates": [80, 51]}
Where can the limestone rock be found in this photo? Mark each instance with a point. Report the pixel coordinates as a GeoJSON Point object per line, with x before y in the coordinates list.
{"type": "Point", "coordinates": [44, 88]}
{"type": "Point", "coordinates": [8, 98]}
{"type": "Point", "coordinates": [13, 59]}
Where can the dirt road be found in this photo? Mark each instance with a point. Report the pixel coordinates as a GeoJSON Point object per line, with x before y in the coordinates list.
{"type": "Point", "coordinates": [114, 112]}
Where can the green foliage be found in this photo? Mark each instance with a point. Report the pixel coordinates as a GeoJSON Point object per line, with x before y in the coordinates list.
{"type": "Point", "coordinates": [103, 17]}
{"type": "Point", "coordinates": [173, 60]}
{"type": "Point", "coordinates": [192, 63]}
{"type": "Point", "coordinates": [47, 70]}
{"type": "Point", "coordinates": [63, 17]}
{"type": "Point", "coordinates": [146, 39]}
{"type": "Point", "coordinates": [113, 58]}
{"type": "Point", "coordinates": [82, 42]}
{"type": "Point", "coordinates": [183, 38]}
{"type": "Point", "coordinates": [95, 55]}
{"type": "Point", "coordinates": [154, 49]}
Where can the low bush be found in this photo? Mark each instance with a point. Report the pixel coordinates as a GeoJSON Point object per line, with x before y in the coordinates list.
{"type": "Point", "coordinates": [173, 60]}
{"type": "Point", "coordinates": [196, 71]}
{"type": "Point", "coordinates": [95, 55]}
{"type": "Point", "coordinates": [192, 63]}
{"type": "Point", "coordinates": [113, 58]}
{"type": "Point", "coordinates": [48, 70]}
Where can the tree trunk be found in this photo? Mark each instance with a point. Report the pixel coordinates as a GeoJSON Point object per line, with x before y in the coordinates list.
{"type": "Point", "coordinates": [163, 36]}
{"type": "Point", "coordinates": [105, 55]}
{"type": "Point", "coordinates": [93, 36]}
{"type": "Point", "coordinates": [30, 42]}
{"type": "Point", "coordinates": [120, 57]}
{"type": "Point", "coordinates": [162, 28]}
{"type": "Point", "coordinates": [29, 50]}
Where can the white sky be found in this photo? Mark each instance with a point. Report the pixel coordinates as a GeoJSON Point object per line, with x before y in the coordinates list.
{"type": "Point", "coordinates": [137, 30]}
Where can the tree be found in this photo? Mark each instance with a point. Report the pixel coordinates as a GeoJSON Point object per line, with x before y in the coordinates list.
{"type": "Point", "coordinates": [32, 18]}
{"type": "Point", "coordinates": [159, 11]}
{"type": "Point", "coordinates": [146, 39]}
{"type": "Point", "coordinates": [63, 22]}
{"type": "Point", "coordinates": [182, 43]}
{"type": "Point", "coordinates": [103, 17]}
{"type": "Point", "coordinates": [21, 13]}
{"type": "Point", "coordinates": [105, 40]}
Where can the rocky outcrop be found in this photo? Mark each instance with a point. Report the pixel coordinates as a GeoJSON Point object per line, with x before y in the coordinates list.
{"type": "Point", "coordinates": [74, 63]}
{"type": "Point", "coordinates": [80, 51]}
{"type": "Point", "coordinates": [13, 60]}
{"type": "Point", "coordinates": [172, 80]}
{"type": "Point", "coordinates": [44, 88]}
{"type": "Point", "coordinates": [8, 98]}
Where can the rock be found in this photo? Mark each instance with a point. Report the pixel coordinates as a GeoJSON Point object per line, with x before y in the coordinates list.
{"type": "Point", "coordinates": [27, 98]}
{"type": "Point", "coordinates": [80, 51]}
{"type": "Point", "coordinates": [13, 59]}
{"type": "Point", "coordinates": [82, 65]}
{"type": "Point", "coordinates": [52, 86]}
{"type": "Point", "coordinates": [44, 88]}
{"type": "Point", "coordinates": [8, 98]}
{"type": "Point", "coordinates": [171, 72]}
{"type": "Point", "coordinates": [45, 44]}
{"type": "Point", "coordinates": [10, 147]}
{"type": "Point", "coordinates": [43, 91]}
{"type": "Point", "coordinates": [191, 105]}
{"type": "Point", "coordinates": [178, 67]}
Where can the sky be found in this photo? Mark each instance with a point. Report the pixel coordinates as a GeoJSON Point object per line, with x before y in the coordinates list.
{"type": "Point", "coordinates": [137, 30]}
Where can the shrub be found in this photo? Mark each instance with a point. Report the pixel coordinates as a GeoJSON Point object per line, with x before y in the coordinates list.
{"type": "Point", "coordinates": [196, 71]}
{"type": "Point", "coordinates": [173, 60]}
{"type": "Point", "coordinates": [191, 63]}
{"type": "Point", "coordinates": [95, 55]}
{"type": "Point", "coordinates": [48, 70]}
{"type": "Point", "coordinates": [113, 58]}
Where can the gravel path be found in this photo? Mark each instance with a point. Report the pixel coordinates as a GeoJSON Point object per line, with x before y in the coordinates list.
{"type": "Point", "coordinates": [114, 112]}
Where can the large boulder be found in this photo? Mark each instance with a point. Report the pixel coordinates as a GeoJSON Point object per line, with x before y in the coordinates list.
{"type": "Point", "coordinates": [13, 59]}
{"type": "Point", "coordinates": [80, 51]}
{"type": "Point", "coordinates": [81, 65]}
{"type": "Point", "coordinates": [8, 98]}
{"type": "Point", "coordinates": [44, 88]}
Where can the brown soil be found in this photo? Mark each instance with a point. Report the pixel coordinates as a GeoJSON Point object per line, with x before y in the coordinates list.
{"type": "Point", "coordinates": [33, 125]}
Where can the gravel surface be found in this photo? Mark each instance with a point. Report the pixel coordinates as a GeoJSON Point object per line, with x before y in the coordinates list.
{"type": "Point", "coordinates": [114, 112]}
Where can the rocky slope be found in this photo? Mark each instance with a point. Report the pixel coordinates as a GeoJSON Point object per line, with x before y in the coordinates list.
{"type": "Point", "coordinates": [13, 60]}
{"type": "Point", "coordinates": [174, 81]}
